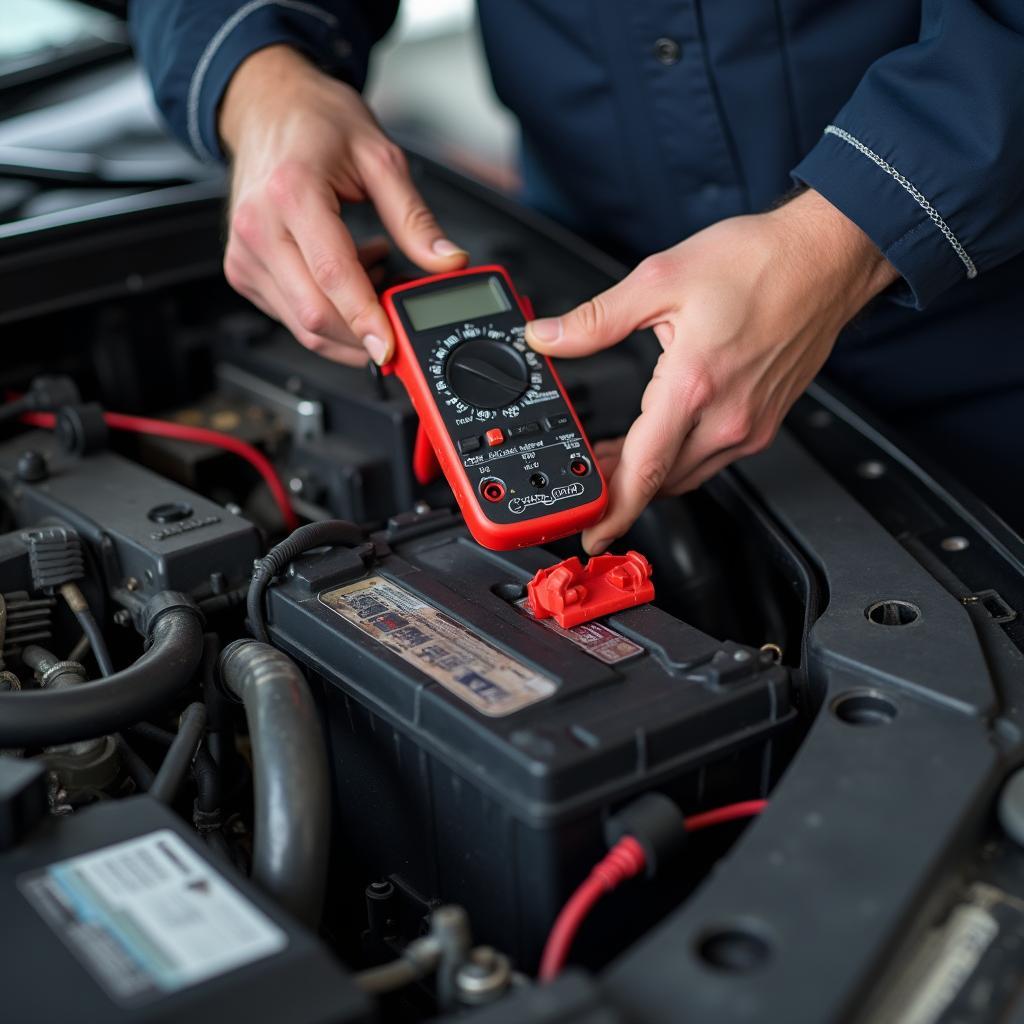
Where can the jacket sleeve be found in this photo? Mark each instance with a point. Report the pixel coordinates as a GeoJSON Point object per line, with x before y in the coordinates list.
{"type": "Point", "coordinates": [191, 48]}
{"type": "Point", "coordinates": [927, 156]}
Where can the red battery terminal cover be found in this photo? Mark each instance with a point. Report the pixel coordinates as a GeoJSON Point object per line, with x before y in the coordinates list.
{"type": "Point", "coordinates": [574, 593]}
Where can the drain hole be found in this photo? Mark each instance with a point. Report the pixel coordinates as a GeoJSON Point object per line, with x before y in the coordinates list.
{"type": "Point", "coordinates": [864, 708]}
{"type": "Point", "coordinates": [893, 613]}
{"type": "Point", "coordinates": [735, 950]}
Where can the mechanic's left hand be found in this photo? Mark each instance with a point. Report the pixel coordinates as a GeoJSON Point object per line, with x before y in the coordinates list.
{"type": "Point", "coordinates": [746, 311]}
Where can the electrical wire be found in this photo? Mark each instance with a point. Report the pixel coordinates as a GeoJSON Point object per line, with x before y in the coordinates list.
{"type": "Point", "coordinates": [195, 435]}
{"type": "Point", "coordinates": [623, 861]}
{"type": "Point", "coordinates": [75, 600]}
{"type": "Point", "coordinates": [720, 815]}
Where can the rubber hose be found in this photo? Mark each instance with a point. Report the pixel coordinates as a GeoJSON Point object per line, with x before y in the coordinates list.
{"type": "Point", "coordinates": [205, 770]}
{"type": "Point", "coordinates": [43, 718]}
{"type": "Point", "coordinates": [207, 778]}
{"type": "Point", "coordinates": [178, 758]}
{"type": "Point", "coordinates": [291, 781]}
{"type": "Point", "coordinates": [305, 538]}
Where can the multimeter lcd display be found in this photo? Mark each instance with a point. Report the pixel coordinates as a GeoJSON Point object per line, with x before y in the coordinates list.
{"type": "Point", "coordinates": [458, 303]}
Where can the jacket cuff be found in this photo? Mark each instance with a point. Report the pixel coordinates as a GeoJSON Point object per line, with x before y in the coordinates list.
{"type": "Point", "coordinates": [855, 177]}
{"type": "Point", "coordinates": [256, 25]}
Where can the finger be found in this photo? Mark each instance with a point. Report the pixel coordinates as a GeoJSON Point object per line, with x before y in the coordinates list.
{"type": "Point", "coordinates": [647, 455]}
{"type": "Point", "coordinates": [636, 301]}
{"type": "Point", "coordinates": [309, 307]}
{"type": "Point", "coordinates": [405, 215]}
{"type": "Point", "coordinates": [332, 262]}
{"type": "Point", "coordinates": [608, 454]}
{"type": "Point", "coordinates": [272, 299]}
{"type": "Point", "coordinates": [704, 471]}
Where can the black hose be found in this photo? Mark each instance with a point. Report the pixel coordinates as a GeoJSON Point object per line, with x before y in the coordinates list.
{"type": "Point", "coordinates": [305, 538]}
{"type": "Point", "coordinates": [292, 789]}
{"type": "Point", "coordinates": [179, 754]}
{"type": "Point", "coordinates": [42, 718]}
{"type": "Point", "coordinates": [205, 770]}
{"type": "Point", "coordinates": [136, 767]}
{"type": "Point", "coordinates": [207, 779]}
{"type": "Point", "coordinates": [100, 651]}
{"type": "Point", "coordinates": [76, 601]}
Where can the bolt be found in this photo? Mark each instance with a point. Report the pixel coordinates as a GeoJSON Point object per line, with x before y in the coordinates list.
{"type": "Point", "coordinates": [131, 584]}
{"type": "Point", "coordinates": [122, 617]}
{"type": "Point", "coordinates": [741, 656]}
{"type": "Point", "coordinates": [484, 976]}
{"type": "Point", "coordinates": [32, 467]}
{"type": "Point", "coordinates": [380, 890]}
{"type": "Point", "coordinates": [954, 543]}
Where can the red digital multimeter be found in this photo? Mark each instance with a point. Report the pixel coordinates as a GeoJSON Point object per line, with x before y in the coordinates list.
{"type": "Point", "coordinates": [497, 416]}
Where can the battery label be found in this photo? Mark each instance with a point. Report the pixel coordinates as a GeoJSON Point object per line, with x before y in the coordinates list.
{"type": "Point", "coordinates": [149, 916]}
{"type": "Point", "coordinates": [484, 677]}
{"type": "Point", "coordinates": [597, 639]}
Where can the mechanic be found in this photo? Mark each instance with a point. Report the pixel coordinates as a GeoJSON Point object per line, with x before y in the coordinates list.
{"type": "Point", "coordinates": [773, 167]}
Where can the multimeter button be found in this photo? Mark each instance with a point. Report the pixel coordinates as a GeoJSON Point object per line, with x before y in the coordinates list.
{"type": "Point", "coordinates": [494, 437]}
{"type": "Point", "coordinates": [555, 422]}
{"type": "Point", "coordinates": [523, 428]}
{"type": "Point", "coordinates": [469, 444]}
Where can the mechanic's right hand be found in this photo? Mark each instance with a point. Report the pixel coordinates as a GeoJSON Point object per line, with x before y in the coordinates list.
{"type": "Point", "coordinates": [301, 144]}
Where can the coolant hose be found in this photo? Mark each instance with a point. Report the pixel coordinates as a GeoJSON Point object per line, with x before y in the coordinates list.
{"type": "Point", "coordinates": [45, 718]}
{"type": "Point", "coordinates": [292, 827]}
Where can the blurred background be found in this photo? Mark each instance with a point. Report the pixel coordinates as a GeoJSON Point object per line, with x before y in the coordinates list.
{"type": "Point", "coordinates": [428, 83]}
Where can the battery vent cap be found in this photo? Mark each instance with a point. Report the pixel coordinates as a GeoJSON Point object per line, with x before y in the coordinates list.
{"type": "Point", "coordinates": [574, 593]}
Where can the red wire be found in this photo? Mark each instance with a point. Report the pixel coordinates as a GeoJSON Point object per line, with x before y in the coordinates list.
{"type": "Point", "coordinates": [196, 435]}
{"type": "Point", "coordinates": [730, 812]}
{"type": "Point", "coordinates": [624, 860]}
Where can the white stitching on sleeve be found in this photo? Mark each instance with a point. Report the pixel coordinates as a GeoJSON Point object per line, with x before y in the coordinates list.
{"type": "Point", "coordinates": [933, 214]}
{"type": "Point", "coordinates": [195, 86]}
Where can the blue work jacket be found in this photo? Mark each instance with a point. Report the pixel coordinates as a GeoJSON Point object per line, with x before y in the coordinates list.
{"type": "Point", "coordinates": [645, 120]}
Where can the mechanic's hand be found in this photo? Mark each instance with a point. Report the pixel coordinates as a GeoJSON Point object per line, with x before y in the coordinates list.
{"type": "Point", "coordinates": [746, 311]}
{"type": "Point", "coordinates": [301, 145]}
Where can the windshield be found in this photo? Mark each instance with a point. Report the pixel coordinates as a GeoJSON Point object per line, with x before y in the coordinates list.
{"type": "Point", "coordinates": [34, 32]}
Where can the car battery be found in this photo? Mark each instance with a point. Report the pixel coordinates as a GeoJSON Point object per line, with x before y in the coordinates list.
{"type": "Point", "coordinates": [477, 752]}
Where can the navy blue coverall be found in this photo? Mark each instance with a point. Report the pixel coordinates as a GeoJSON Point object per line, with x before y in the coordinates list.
{"type": "Point", "coordinates": [645, 120]}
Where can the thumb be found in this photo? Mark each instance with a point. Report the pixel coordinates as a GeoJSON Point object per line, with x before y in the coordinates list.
{"type": "Point", "coordinates": [596, 324]}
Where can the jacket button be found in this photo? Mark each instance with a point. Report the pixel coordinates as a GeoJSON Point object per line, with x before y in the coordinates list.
{"type": "Point", "coordinates": [667, 51]}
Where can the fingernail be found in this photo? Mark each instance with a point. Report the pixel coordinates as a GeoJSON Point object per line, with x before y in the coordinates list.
{"type": "Point", "coordinates": [546, 330]}
{"type": "Point", "coordinates": [377, 347]}
{"type": "Point", "coordinates": [444, 247]}
{"type": "Point", "coordinates": [598, 547]}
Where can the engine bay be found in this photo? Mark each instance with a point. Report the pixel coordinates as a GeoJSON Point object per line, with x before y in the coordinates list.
{"type": "Point", "coordinates": [378, 778]}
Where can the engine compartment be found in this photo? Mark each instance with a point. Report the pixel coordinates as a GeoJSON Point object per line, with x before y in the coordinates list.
{"type": "Point", "coordinates": [404, 784]}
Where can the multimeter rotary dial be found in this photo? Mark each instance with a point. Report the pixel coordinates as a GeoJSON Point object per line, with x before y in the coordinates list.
{"type": "Point", "coordinates": [480, 371]}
